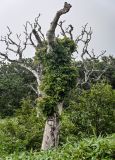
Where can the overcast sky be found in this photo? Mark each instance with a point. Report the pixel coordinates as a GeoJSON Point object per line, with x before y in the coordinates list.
{"type": "Point", "coordinates": [100, 15]}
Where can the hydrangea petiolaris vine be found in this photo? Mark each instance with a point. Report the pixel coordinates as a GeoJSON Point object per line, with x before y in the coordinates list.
{"type": "Point", "coordinates": [59, 74]}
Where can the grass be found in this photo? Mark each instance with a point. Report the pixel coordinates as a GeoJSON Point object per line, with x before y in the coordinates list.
{"type": "Point", "coordinates": [88, 149]}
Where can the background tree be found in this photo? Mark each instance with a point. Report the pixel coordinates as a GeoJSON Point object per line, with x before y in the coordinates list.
{"type": "Point", "coordinates": [15, 85]}
{"type": "Point", "coordinates": [110, 74]}
{"type": "Point", "coordinates": [91, 67]}
{"type": "Point", "coordinates": [92, 112]}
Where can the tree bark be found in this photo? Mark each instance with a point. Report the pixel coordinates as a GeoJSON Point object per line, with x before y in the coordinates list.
{"type": "Point", "coordinates": [51, 32]}
{"type": "Point", "coordinates": [51, 133]}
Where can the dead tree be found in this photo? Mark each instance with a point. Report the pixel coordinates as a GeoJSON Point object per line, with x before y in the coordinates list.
{"type": "Point", "coordinates": [15, 46]}
{"type": "Point", "coordinates": [35, 38]}
{"type": "Point", "coordinates": [33, 32]}
{"type": "Point", "coordinates": [89, 60]}
{"type": "Point", "coordinates": [51, 132]}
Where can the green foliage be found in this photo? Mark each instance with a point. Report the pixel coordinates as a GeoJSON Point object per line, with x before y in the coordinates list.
{"type": "Point", "coordinates": [93, 111]}
{"type": "Point", "coordinates": [23, 132]}
{"type": "Point", "coordinates": [59, 73]}
{"type": "Point", "coordinates": [106, 62]}
{"type": "Point", "coordinates": [48, 105]}
{"type": "Point", "coordinates": [13, 87]}
{"type": "Point", "coordinates": [110, 74]}
{"type": "Point", "coordinates": [88, 149]}
{"type": "Point", "coordinates": [68, 129]}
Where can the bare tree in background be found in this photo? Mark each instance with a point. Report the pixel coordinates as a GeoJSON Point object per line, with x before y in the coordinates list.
{"type": "Point", "coordinates": [89, 60]}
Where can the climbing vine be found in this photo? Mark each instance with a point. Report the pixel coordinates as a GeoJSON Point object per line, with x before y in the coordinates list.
{"type": "Point", "coordinates": [59, 74]}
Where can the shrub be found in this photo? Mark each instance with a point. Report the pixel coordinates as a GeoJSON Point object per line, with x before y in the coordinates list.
{"type": "Point", "coordinates": [93, 112]}
{"type": "Point", "coordinates": [23, 132]}
{"type": "Point", "coordinates": [88, 149]}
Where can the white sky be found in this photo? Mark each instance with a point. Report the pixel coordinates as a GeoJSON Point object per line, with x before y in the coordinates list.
{"type": "Point", "coordinates": [100, 15]}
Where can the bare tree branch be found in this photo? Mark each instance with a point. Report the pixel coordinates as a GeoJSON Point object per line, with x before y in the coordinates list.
{"type": "Point", "coordinates": [32, 43]}
{"type": "Point", "coordinates": [60, 24]}
{"type": "Point", "coordinates": [36, 31]}
{"type": "Point", "coordinates": [13, 46]}
{"type": "Point", "coordinates": [89, 59]}
{"type": "Point", "coordinates": [69, 30]}
{"type": "Point", "coordinates": [17, 46]}
{"type": "Point", "coordinates": [37, 37]}
{"type": "Point", "coordinates": [5, 57]}
{"type": "Point", "coordinates": [36, 24]}
{"type": "Point", "coordinates": [51, 32]}
{"type": "Point", "coordinates": [34, 89]}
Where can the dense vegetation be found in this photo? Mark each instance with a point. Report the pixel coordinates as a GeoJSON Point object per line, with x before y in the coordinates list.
{"type": "Point", "coordinates": [87, 123]}
{"type": "Point", "coordinates": [14, 86]}
{"type": "Point", "coordinates": [93, 148]}
{"type": "Point", "coordinates": [88, 118]}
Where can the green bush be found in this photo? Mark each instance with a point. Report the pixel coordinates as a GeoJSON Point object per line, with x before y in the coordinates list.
{"type": "Point", "coordinates": [23, 132]}
{"type": "Point", "coordinates": [14, 86]}
{"type": "Point", "coordinates": [93, 112]}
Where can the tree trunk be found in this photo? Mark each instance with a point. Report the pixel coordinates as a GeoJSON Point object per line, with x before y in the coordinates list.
{"type": "Point", "coordinates": [51, 133]}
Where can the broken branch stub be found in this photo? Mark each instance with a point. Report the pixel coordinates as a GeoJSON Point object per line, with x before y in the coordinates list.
{"type": "Point", "coordinates": [51, 32]}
